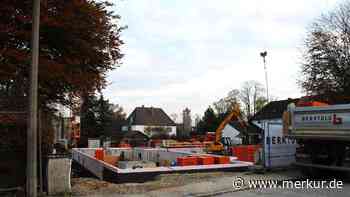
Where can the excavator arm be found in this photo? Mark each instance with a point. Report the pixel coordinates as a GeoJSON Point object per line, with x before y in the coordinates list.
{"type": "Point", "coordinates": [217, 146]}
{"type": "Point", "coordinates": [234, 113]}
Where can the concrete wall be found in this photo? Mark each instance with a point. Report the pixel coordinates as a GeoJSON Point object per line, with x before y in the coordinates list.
{"type": "Point", "coordinates": [86, 159]}
{"type": "Point", "coordinates": [128, 152]}
{"type": "Point", "coordinates": [109, 172]}
{"type": "Point", "coordinates": [155, 155]}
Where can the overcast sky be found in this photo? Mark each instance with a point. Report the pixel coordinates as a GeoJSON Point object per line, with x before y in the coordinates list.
{"type": "Point", "coordinates": [190, 53]}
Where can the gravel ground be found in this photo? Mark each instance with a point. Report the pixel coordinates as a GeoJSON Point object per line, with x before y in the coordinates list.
{"type": "Point", "coordinates": [92, 186]}
{"type": "Point", "coordinates": [185, 184]}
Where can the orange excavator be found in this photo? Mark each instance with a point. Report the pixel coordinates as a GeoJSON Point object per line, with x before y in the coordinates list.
{"type": "Point", "coordinates": [217, 146]}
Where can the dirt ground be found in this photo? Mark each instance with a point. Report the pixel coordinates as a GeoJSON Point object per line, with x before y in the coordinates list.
{"type": "Point", "coordinates": [184, 184]}
{"type": "Point", "coordinates": [90, 186]}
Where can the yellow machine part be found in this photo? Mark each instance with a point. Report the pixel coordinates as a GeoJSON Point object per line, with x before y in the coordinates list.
{"type": "Point", "coordinates": [217, 146]}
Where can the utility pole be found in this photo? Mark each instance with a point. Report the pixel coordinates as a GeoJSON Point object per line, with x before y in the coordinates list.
{"type": "Point", "coordinates": [31, 177]}
{"type": "Point", "coordinates": [263, 55]}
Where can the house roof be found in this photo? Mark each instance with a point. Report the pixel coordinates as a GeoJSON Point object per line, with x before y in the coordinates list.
{"type": "Point", "coordinates": [273, 109]}
{"type": "Point", "coordinates": [150, 116]}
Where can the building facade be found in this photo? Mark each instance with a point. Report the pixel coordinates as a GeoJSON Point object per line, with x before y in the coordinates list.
{"type": "Point", "coordinates": [150, 121]}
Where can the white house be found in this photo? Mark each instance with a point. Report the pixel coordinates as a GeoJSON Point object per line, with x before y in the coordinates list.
{"type": "Point", "coordinates": [279, 150]}
{"type": "Point", "coordinates": [150, 121]}
{"type": "Point", "coordinates": [231, 135]}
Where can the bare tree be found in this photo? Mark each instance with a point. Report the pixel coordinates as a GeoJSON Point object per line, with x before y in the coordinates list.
{"type": "Point", "coordinates": [174, 117]}
{"type": "Point", "coordinates": [251, 96]}
{"type": "Point", "coordinates": [326, 56]}
{"type": "Point", "coordinates": [118, 112]}
{"type": "Point", "coordinates": [225, 104]}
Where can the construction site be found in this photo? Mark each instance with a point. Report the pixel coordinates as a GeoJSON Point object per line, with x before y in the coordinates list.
{"type": "Point", "coordinates": [168, 157]}
{"type": "Point", "coordinates": [174, 98]}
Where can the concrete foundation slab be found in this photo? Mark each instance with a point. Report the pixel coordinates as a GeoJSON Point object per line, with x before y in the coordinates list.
{"type": "Point", "coordinates": [136, 164]}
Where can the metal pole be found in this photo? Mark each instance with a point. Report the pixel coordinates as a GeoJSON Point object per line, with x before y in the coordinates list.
{"type": "Point", "coordinates": [263, 55]}
{"type": "Point", "coordinates": [40, 154]}
{"type": "Point", "coordinates": [31, 177]}
{"type": "Point", "coordinates": [267, 81]}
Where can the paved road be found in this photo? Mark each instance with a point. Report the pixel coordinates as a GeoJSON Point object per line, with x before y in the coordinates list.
{"type": "Point", "coordinates": [345, 191]}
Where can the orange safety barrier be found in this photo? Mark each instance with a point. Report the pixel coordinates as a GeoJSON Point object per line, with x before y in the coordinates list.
{"type": "Point", "coordinates": [222, 160]}
{"type": "Point", "coordinates": [246, 152]}
{"type": "Point", "coordinates": [206, 160]}
{"type": "Point", "coordinates": [99, 154]}
{"type": "Point", "coordinates": [186, 161]}
{"type": "Point", "coordinates": [193, 159]}
{"type": "Point", "coordinates": [240, 152]}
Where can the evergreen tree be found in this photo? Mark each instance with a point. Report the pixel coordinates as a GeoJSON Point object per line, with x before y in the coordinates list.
{"type": "Point", "coordinates": [209, 122]}
{"type": "Point", "coordinates": [98, 117]}
{"type": "Point", "coordinates": [104, 116]}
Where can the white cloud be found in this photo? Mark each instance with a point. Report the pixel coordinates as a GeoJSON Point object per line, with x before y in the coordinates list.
{"type": "Point", "coordinates": [189, 53]}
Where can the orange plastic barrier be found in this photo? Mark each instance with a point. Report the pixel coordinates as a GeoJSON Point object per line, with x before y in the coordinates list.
{"type": "Point", "coordinates": [222, 160]}
{"type": "Point", "coordinates": [99, 154]}
{"type": "Point", "coordinates": [186, 161]}
{"type": "Point", "coordinates": [206, 160]}
{"type": "Point", "coordinates": [240, 152]}
{"type": "Point", "coordinates": [246, 152]}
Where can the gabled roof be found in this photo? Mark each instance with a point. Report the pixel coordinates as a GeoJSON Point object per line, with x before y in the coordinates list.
{"type": "Point", "coordinates": [273, 109]}
{"type": "Point", "coordinates": [149, 116]}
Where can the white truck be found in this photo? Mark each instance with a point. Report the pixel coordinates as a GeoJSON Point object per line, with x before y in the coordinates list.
{"type": "Point", "coordinates": [323, 135]}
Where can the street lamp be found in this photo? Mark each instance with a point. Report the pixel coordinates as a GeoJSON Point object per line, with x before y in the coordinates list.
{"type": "Point", "coordinates": [31, 173]}
{"type": "Point", "coordinates": [263, 55]}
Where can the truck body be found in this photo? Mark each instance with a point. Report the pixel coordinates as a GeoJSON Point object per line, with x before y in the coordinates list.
{"type": "Point", "coordinates": [323, 135]}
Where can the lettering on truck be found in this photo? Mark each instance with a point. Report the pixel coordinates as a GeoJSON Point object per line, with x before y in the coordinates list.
{"type": "Point", "coordinates": [323, 118]}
